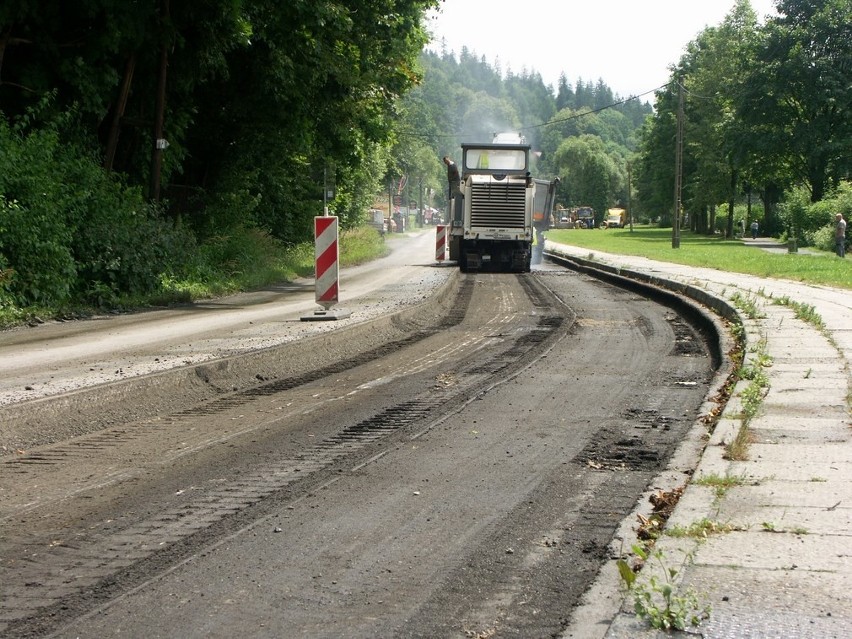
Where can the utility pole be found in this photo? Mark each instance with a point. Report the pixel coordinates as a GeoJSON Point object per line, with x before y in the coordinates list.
{"type": "Point", "coordinates": [420, 201]}
{"type": "Point", "coordinates": [390, 203]}
{"type": "Point", "coordinates": [325, 191]}
{"type": "Point", "coordinates": [629, 198]}
{"type": "Point", "coordinates": [678, 166]}
{"type": "Point", "coordinates": [160, 143]}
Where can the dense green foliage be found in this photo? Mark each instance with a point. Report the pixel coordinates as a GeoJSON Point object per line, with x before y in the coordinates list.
{"type": "Point", "coordinates": [582, 133]}
{"type": "Point", "coordinates": [70, 231]}
{"type": "Point", "coordinates": [260, 103]}
{"type": "Point", "coordinates": [813, 223]}
{"type": "Point", "coordinates": [767, 109]}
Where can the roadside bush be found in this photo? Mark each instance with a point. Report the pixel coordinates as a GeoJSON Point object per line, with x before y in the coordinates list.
{"type": "Point", "coordinates": [361, 244]}
{"type": "Point", "coordinates": [822, 238]}
{"type": "Point", "coordinates": [237, 259]}
{"type": "Point", "coordinates": [121, 243]}
{"type": "Point", "coordinates": [818, 215]}
{"type": "Point", "coordinates": [813, 222]}
{"type": "Point", "coordinates": [792, 212]}
{"type": "Point", "coordinates": [35, 236]}
{"type": "Point", "coordinates": [69, 232]}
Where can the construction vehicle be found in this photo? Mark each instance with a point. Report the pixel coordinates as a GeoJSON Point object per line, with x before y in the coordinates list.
{"type": "Point", "coordinates": [491, 215]}
{"type": "Point", "coordinates": [616, 218]}
{"type": "Point", "coordinates": [584, 217]}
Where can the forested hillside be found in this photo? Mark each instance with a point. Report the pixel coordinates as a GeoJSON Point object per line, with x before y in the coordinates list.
{"type": "Point", "coordinates": [148, 148]}
{"type": "Point", "coordinates": [581, 131]}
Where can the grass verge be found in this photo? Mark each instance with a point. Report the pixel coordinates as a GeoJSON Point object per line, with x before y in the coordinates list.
{"type": "Point", "coordinates": [245, 261]}
{"type": "Point", "coordinates": [712, 252]}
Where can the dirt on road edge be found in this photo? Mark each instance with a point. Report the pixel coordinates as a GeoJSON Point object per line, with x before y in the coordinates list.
{"type": "Point", "coordinates": [49, 420]}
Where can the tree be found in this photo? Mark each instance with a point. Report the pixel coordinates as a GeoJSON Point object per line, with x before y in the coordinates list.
{"type": "Point", "coordinates": [565, 94]}
{"type": "Point", "coordinates": [653, 171]}
{"type": "Point", "coordinates": [715, 144]}
{"type": "Point", "coordinates": [532, 99]}
{"type": "Point", "coordinates": [797, 94]}
{"type": "Point", "coordinates": [590, 176]}
{"type": "Point", "coordinates": [711, 71]}
{"type": "Point", "coordinates": [291, 87]}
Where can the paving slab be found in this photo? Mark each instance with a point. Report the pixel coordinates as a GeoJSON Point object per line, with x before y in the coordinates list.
{"type": "Point", "coordinates": [785, 518]}
{"type": "Point", "coordinates": [779, 604]}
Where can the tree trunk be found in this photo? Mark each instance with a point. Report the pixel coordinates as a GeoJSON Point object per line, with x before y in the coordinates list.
{"type": "Point", "coordinates": [817, 177]}
{"type": "Point", "coordinates": [771, 194]}
{"type": "Point", "coordinates": [4, 40]}
{"type": "Point", "coordinates": [729, 228]}
{"type": "Point", "coordinates": [115, 127]}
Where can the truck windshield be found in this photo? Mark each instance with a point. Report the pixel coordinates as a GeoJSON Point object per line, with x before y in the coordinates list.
{"type": "Point", "coordinates": [495, 159]}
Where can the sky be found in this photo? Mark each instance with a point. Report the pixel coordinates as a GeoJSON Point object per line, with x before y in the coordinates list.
{"type": "Point", "coordinates": [629, 44]}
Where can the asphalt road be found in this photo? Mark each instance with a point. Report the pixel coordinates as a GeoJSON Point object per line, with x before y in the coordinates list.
{"type": "Point", "coordinates": [456, 470]}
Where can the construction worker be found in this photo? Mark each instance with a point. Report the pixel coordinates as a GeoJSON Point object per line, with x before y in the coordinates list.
{"type": "Point", "coordinates": [453, 177]}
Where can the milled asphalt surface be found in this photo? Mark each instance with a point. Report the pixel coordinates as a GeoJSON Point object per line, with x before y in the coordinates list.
{"type": "Point", "coordinates": [782, 570]}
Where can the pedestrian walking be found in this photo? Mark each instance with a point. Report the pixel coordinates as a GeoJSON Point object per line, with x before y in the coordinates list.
{"type": "Point", "coordinates": [754, 227]}
{"type": "Point", "coordinates": [840, 234]}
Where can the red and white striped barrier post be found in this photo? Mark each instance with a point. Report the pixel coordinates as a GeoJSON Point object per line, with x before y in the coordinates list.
{"type": "Point", "coordinates": [327, 281]}
{"type": "Point", "coordinates": [441, 242]}
{"type": "Point", "coordinates": [327, 253]}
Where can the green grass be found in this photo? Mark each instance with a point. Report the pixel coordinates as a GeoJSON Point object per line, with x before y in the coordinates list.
{"type": "Point", "coordinates": [720, 483]}
{"type": "Point", "coordinates": [234, 264]}
{"type": "Point", "coordinates": [358, 246]}
{"type": "Point", "coordinates": [702, 529]}
{"type": "Point", "coordinates": [267, 262]}
{"type": "Point", "coordinates": [711, 252]}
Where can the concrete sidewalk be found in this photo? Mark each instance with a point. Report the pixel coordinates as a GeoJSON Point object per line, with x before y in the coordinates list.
{"type": "Point", "coordinates": [781, 567]}
{"type": "Point", "coordinates": [771, 245]}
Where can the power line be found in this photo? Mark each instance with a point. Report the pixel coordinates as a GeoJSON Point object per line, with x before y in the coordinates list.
{"type": "Point", "coordinates": [598, 110]}
{"type": "Point", "coordinates": [538, 126]}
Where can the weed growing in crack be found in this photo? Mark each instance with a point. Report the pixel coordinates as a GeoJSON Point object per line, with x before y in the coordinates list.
{"type": "Point", "coordinates": [747, 305]}
{"type": "Point", "coordinates": [720, 483]}
{"type": "Point", "coordinates": [702, 529]}
{"type": "Point", "coordinates": [751, 398]}
{"type": "Point", "coordinates": [657, 601]}
{"type": "Point", "coordinates": [805, 312]}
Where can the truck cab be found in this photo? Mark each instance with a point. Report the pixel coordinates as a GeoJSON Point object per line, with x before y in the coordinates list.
{"type": "Point", "coordinates": [616, 218]}
{"type": "Point", "coordinates": [498, 194]}
{"type": "Point", "coordinates": [499, 206]}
